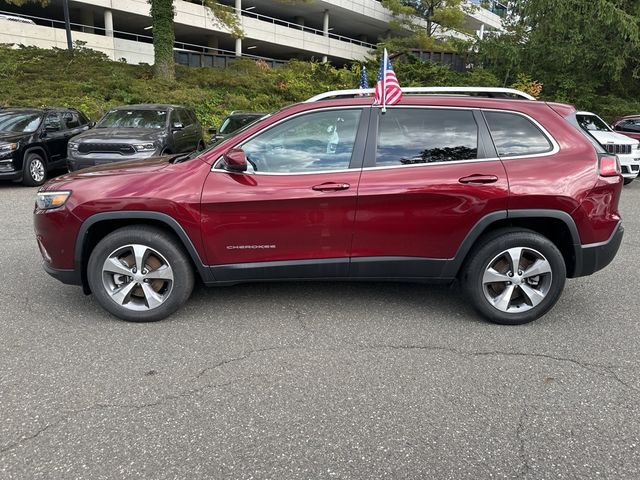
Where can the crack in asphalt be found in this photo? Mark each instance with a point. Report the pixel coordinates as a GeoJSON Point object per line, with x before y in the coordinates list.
{"type": "Point", "coordinates": [140, 406]}
{"type": "Point", "coordinates": [592, 367]}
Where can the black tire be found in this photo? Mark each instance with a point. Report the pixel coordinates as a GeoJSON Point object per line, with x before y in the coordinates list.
{"type": "Point", "coordinates": [135, 305]}
{"type": "Point", "coordinates": [627, 181]}
{"type": "Point", "coordinates": [521, 294]}
{"type": "Point", "coordinates": [34, 170]}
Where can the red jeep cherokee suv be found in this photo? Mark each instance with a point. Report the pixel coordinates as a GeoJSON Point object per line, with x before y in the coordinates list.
{"type": "Point", "coordinates": [507, 195]}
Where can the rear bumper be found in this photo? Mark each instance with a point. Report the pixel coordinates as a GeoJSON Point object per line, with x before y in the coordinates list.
{"type": "Point", "coordinates": [594, 257]}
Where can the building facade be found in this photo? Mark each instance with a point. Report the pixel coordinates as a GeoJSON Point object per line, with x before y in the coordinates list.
{"type": "Point", "coordinates": [339, 31]}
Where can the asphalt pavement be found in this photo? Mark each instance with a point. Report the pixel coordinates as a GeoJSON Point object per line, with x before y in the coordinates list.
{"type": "Point", "coordinates": [316, 380]}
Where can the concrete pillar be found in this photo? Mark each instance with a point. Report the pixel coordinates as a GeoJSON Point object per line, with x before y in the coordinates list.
{"type": "Point", "coordinates": [108, 23]}
{"type": "Point", "coordinates": [86, 19]}
{"type": "Point", "coordinates": [481, 32]}
{"type": "Point", "coordinates": [299, 21]}
{"type": "Point", "coordinates": [325, 23]}
{"type": "Point", "coordinates": [238, 40]}
{"type": "Point", "coordinates": [324, 59]}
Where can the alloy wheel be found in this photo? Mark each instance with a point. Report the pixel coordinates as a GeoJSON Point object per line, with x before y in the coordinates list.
{"type": "Point", "coordinates": [517, 280]}
{"type": "Point", "coordinates": [36, 170]}
{"type": "Point", "coordinates": [137, 277]}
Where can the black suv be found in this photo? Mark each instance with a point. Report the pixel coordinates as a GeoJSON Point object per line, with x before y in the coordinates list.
{"type": "Point", "coordinates": [233, 122]}
{"type": "Point", "coordinates": [136, 132]}
{"type": "Point", "coordinates": [33, 141]}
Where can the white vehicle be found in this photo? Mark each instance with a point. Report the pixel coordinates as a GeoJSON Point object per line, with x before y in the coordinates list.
{"type": "Point", "coordinates": [13, 18]}
{"type": "Point", "coordinates": [627, 149]}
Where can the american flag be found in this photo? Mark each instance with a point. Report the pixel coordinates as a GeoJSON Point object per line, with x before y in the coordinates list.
{"type": "Point", "coordinates": [364, 80]}
{"type": "Point", "coordinates": [388, 90]}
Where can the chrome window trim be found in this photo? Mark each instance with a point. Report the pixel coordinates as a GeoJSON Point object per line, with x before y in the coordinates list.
{"type": "Point", "coordinates": [304, 112]}
{"type": "Point", "coordinates": [432, 164]}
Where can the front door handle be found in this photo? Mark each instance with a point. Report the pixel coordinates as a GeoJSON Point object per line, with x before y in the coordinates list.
{"type": "Point", "coordinates": [479, 179]}
{"type": "Point", "coordinates": [330, 187]}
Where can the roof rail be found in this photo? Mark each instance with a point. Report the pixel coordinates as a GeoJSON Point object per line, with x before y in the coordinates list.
{"type": "Point", "coordinates": [430, 90]}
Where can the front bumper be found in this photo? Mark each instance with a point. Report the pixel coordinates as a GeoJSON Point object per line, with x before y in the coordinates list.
{"type": "Point", "coordinates": [69, 277]}
{"type": "Point", "coordinates": [593, 257]}
{"type": "Point", "coordinates": [630, 164]}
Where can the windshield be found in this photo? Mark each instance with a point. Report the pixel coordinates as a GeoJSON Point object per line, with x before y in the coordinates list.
{"type": "Point", "coordinates": [151, 119]}
{"type": "Point", "coordinates": [593, 123]}
{"type": "Point", "coordinates": [16, 122]}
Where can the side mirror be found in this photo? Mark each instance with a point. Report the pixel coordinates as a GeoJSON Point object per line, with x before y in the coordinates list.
{"type": "Point", "coordinates": [235, 160]}
{"type": "Point", "coordinates": [50, 128]}
{"type": "Point", "coordinates": [212, 131]}
{"type": "Point", "coordinates": [178, 126]}
{"type": "Point", "coordinates": [92, 124]}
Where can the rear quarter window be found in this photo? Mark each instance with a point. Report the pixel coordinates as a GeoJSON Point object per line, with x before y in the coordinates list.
{"type": "Point", "coordinates": [515, 135]}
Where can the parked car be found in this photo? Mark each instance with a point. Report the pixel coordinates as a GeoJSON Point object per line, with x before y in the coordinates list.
{"type": "Point", "coordinates": [136, 132]}
{"type": "Point", "coordinates": [233, 122]}
{"type": "Point", "coordinates": [508, 196]}
{"type": "Point", "coordinates": [629, 126]}
{"type": "Point", "coordinates": [33, 141]}
{"type": "Point", "coordinates": [627, 149]}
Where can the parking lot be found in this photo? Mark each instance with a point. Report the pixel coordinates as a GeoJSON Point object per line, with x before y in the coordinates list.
{"type": "Point", "coordinates": [332, 380]}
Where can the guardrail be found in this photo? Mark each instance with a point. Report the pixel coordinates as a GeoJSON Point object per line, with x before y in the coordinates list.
{"type": "Point", "coordinates": [136, 37]}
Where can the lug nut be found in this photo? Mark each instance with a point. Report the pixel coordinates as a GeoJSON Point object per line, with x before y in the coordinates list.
{"type": "Point", "coordinates": [511, 274]}
{"type": "Point", "coordinates": [134, 270]}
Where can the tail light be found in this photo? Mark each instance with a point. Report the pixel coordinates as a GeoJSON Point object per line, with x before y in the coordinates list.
{"type": "Point", "coordinates": [609, 166]}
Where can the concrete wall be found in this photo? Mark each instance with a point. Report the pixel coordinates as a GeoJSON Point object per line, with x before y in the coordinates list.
{"type": "Point", "coordinates": [49, 37]}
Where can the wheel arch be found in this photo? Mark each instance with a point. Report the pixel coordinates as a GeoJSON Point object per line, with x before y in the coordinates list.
{"type": "Point", "coordinates": [556, 225]}
{"type": "Point", "coordinates": [36, 149]}
{"type": "Point", "coordinates": [96, 227]}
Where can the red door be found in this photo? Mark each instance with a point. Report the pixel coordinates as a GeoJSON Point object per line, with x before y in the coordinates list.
{"type": "Point", "coordinates": [291, 215]}
{"type": "Point", "coordinates": [428, 179]}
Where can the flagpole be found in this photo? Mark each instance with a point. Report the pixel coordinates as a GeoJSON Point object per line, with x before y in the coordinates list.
{"type": "Point", "coordinates": [384, 82]}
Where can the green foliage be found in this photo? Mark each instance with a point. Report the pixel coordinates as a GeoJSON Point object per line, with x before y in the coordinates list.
{"type": "Point", "coordinates": [427, 21]}
{"type": "Point", "coordinates": [88, 80]}
{"type": "Point", "coordinates": [583, 52]}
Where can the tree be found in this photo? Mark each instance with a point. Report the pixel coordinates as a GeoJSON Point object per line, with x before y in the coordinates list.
{"type": "Point", "coordinates": [578, 49]}
{"type": "Point", "coordinates": [162, 15]}
{"type": "Point", "coordinates": [428, 22]}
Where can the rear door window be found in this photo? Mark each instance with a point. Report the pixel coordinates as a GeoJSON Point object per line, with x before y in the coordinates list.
{"type": "Point", "coordinates": [515, 135]}
{"type": "Point", "coordinates": [409, 136]}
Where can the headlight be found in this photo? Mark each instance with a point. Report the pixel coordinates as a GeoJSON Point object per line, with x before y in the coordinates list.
{"type": "Point", "coordinates": [73, 146]}
{"type": "Point", "coordinates": [49, 200]}
{"type": "Point", "coordinates": [8, 147]}
{"type": "Point", "coordinates": [145, 147]}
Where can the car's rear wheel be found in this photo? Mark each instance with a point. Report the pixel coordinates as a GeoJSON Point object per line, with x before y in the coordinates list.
{"type": "Point", "coordinates": [34, 170]}
{"type": "Point", "coordinates": [514, 276]}
{"type": "Point", "coordinates": [140, 274]}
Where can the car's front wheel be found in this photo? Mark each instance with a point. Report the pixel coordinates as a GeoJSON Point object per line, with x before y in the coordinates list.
{"type": "Point", "coordinates": [140, 274]}
{"type": "Point", "coordinates": [514, 276]}
{"type": "Point", "coordinates": [627, 181]}
{"type": "Point", "coordinates": [35, 170]}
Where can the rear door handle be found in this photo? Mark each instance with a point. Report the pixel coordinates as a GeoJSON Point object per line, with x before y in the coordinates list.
{"type": "Point", "coordinates": [479, 179]}
{"type": "Point", "coordinates": [330, 187]}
